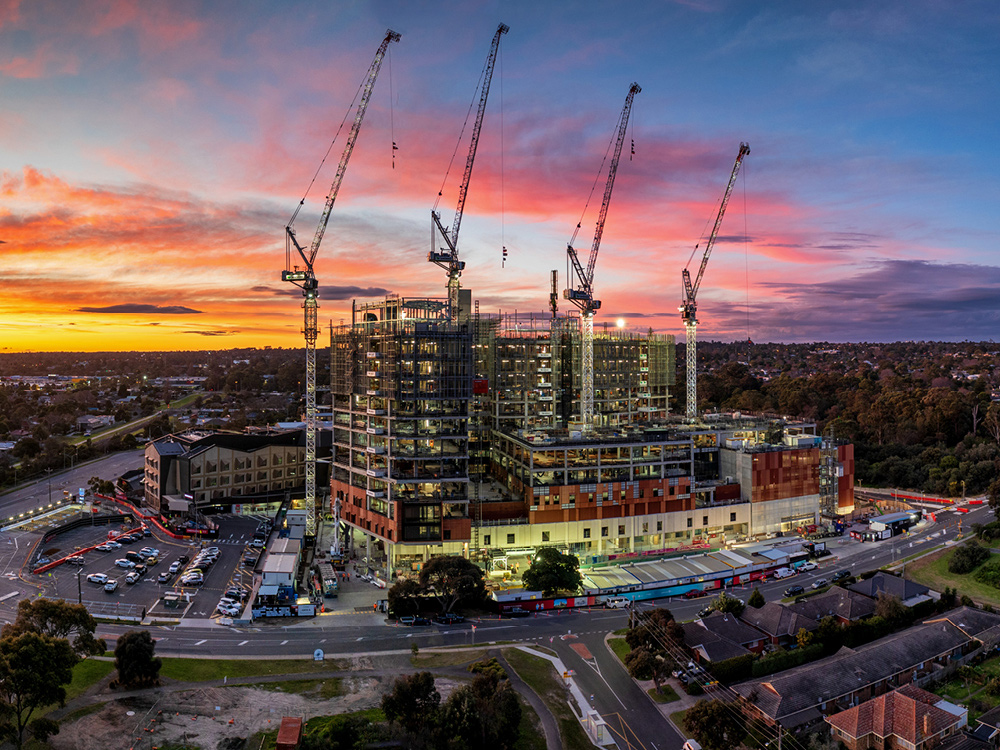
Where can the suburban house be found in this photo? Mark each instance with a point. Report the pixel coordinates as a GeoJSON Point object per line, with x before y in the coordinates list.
{"type": "Point", "coordinates": [780, 624]}
{"type": "Point", "coordinates": [722, 636]}
{"type": "Point", "coordinates": [907, 717]}
{"type": "Point", "coordinates": [908, 592]}
{"type": "Point", "coordinates": [844, 605]}
{"type": "Point", "coordinates": [922, 653]}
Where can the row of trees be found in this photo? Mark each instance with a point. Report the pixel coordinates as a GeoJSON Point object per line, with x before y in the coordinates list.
{"type": "Point", "coordinates": [484, 714]}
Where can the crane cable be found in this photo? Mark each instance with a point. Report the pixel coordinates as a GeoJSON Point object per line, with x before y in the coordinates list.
{"type": "Point", "coordinates": [328, 150]}
{"type": "Point", "coordinates": [503, 242]}
{"type": "Point", "coordinates": [479, 84]}
{"type": "Point", "coordinates": [392, 113]}
{"type": "Point", "coordinates": [746, 262]}
{"type": "Point", "coordinates": [597, 177]}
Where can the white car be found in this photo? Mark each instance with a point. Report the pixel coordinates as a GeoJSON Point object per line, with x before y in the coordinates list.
{"type": "Point", "coordinates": [132, 577]}
{"type": "Point", "coordinates": [617, 602]}
{"type": "Point", "coordinates": [104, 547]}
{"type": "Point", "coordinates": [175, 566]}
{"type": "Point", "coordinates": [113, 544]}
{"type": "Point", "coordinates": [808, 566]}
{"type": "Point", "coordinates": [121, 562]}
{"type": "Point", "coordinates": [228, 609]}
{"type": "Point", "coordinates": [97, 578]}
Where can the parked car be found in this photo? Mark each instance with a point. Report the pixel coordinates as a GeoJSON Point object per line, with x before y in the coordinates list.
{"type": "Point", "coordinates": [141, 569]}
{"type": "Point", "coordinates": [97, 578]}
{"type": "Point", "coordinates": [106, 547]}
{"type": "Point", "coordinates": [840, 575]}
{"type": "Point", "coordinates": [237, 593]}
{"type": "Point", "coordinates": [820, 583]}
{"type": "Point", "coordinates": [76, 560]}
{"type": "Point", "coordinates": [258, 543]}
{"type": "Point", "coordinates": [164, 577]}
{"type": "Point", "coordinates": [112, 544]}
{"type": "Point", "coordinates": [794, 590]}
{"type": "Point", "coordinates": [175, 566]}
{"type": "Point", "coordinates": [192, 581]}
{"type": "Point", "coordinates": [695, 593]}
{"type": "Point", "coordinates": [121, 562]}
{"type": "Point", "coordinates": [517, 612]}
{"type": "Point", "coordinates": [230, 610]}
{"type": "Point", "coordinates": [617, 602]}
{"type": "Point", "coordinates": [152, 560]}
{"type": "Point", "coordinates": [111, 586]}
{"type": "Point", "coordinates": [183, 559]}
{"type": "Point", "coordinates": [808, 566]}
{"type": "Point", "coordinates": [449, 618]}
{"type": "Point", "coordinates": [705, 612]}
{"type": "Point", "coordinates": [133, 577]}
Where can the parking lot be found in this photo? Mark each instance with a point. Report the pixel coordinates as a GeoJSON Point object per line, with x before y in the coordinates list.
{"type": "Point", "coordinates": [63, 581]}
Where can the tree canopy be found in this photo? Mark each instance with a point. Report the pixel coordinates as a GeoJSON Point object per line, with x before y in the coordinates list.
{"type": "Point", "coordinates": [714, 724]}
{"type": "Point", "coordinates": [34, 669]}
{"type": "Point", "coordinates": [451, 579]}
{"type": "Point", "coordinates": [553, 571]}
{"type": "Point", "coordinates": [58, 619]}
{"type": "Point", "coordinates": [136, 660]}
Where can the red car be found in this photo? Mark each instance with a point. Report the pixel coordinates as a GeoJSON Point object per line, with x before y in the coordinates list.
{"type": "Point", "coordinates": [694, 594]}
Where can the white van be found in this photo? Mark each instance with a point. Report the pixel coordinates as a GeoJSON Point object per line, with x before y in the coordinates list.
{"type": "Point", "coordinates": [784, 573]}
{"type": "Point", "coordinates": [617, 602]}
{"type": "Point", "coordinates": [691, 745]}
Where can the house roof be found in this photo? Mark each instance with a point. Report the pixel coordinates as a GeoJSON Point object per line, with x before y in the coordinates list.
{"type": "Point", "coordinates": [836, 602]}
{"type": "Point", "coordinates": [908, 713]}
{"type": "Point", "coordinates": [776, 620]}
{"type": "Point", "coordinates": [798, 689]}
{"type": "Point", "coordinates": [889, 584]}
{"type": "Point", "coordinates": [728, 626]}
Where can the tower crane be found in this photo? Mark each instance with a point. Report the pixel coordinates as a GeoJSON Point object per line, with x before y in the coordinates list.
{"type": "Point", "coordinates": [582, 294]}
{"type": "Point", "coordinates": [447, 257]}
{"type": "Point", "coordinates": [305, 278]}
{"type": "Point", "coordinates": [689, 306]}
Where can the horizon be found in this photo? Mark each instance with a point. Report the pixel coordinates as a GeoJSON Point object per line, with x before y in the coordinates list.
{"type": "Point", "coordinates": [153, 154]}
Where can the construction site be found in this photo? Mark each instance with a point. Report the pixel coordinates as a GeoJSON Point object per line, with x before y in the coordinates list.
{"type": "Point", "coordinates": [491, 435]}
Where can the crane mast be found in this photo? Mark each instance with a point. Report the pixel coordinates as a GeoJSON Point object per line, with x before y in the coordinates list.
{"type": "Point", "coordinates": [447, 257]}
{"type": "Point", "coordinates": [689, 306]}
{"type": "Point", "coordinates": [582, 294]}
{"type": "Point", "coordinates": [305, 279]}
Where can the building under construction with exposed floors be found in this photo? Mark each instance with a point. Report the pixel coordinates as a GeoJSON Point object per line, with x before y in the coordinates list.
{"type": "Point", "coordinates": [460, 436]}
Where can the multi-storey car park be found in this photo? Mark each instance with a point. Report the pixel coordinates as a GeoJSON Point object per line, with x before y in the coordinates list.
{"type": "Point", "coordinates": [459, 436]}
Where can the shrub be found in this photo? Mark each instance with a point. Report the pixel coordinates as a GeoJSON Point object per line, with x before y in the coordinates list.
{"type": "Point", "coordinates": [989, 572]}
{"type": "Point", "coordinates": [967, 558]}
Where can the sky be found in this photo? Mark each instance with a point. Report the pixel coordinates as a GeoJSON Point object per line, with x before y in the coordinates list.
{"type": "Point", "coordinates": [151, 155]}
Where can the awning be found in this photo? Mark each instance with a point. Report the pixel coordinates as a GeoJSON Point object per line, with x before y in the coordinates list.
{"type": "Point", "coordinates": [269, 590]}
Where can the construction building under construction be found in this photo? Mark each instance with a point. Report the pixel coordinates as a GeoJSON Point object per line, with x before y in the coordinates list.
{"type": "Point", "coordinates": [459, 436]}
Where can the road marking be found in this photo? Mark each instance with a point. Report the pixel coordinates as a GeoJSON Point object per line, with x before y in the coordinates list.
{"type": "Point", "coordinates": [360, 639]}
{"type": "Point", "coordinates": [243, 643]}
{"type": "Point", "coordinates": [201, 642]}
{"type": "Point", "coordinates": [324, 640]}
{"type": "Point", "coordinates": [283, 643]}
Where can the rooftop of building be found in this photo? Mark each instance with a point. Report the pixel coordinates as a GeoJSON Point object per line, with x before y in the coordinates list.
{"type": "Point", "coordinates": [908, 712]}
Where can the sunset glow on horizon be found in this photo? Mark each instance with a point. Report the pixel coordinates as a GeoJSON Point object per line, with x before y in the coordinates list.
{"type": "Point", "coordinates": [151, 155]}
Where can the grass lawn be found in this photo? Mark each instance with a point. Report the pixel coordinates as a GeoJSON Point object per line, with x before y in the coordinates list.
{"type": "Point", "coordinates": [677, 717]}
{"type": "Point", "coordinates": [529, 732]}
{"type": "Point", "coordinates": [932, 571]}
{"type": "Point", "coordinates": [199, 670]}
{"type": "Point", "coordinates": [446, 658]}
{"type": "Point", "coordinates": [620, 647]}
{"type": "Point", "coordinates": [956, 691]}
{"type": "Point", "coordinates": [86, 674]}
{"type": "Point", "coordinates": [541, 676]}
{"type": "Point", "coordinates": [666, 694]}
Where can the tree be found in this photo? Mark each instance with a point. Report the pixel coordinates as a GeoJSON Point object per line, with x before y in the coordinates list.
{"type": "Point", "coordinates": [643, 664]}
{"type": "Point", "coordinates": [451, 579]}
{"type": "Point", "coordinates": [135, 658]}
{"type": "Point", "coordinates": [715, 724]}
{"type": "Point", "coordinates": [483, 714]}
{"type": "Point", "coordinates": [890, 608]}
{"type": "Point", "coordinates": [100, 486]}
{"type": "Point", "coordinates": [967, 557]}
{"type": "Point", "coordinates": [404, 597]}
{"type": "Point", "coordinates": [726, 603]}
{"type": "Point", "coordinates": [57, 619]}
{"type": "Point", "coordinates": [756, 599]}
{"type": "Point", "coordinates": [552, 571]}
{"type": "Point", "coordinates": [33, 671]}
{"type": "Point", "coordinates": [803, 638]}
{"type": "Point", "coordinates": [413, 702]}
